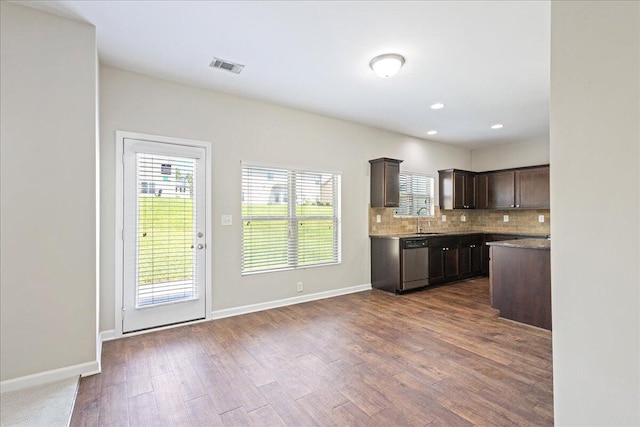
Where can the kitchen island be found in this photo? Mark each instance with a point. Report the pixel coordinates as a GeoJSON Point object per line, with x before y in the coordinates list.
{"type": "Point", "coordinates": [520, 280]}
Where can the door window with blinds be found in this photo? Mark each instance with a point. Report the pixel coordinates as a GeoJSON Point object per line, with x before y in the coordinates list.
{"type": "Point", "coordinates": [165, 229]}
{"type": "Point", "coordinates": [290, 218]}
{"type": "Point", "coordinates": [416, 192]}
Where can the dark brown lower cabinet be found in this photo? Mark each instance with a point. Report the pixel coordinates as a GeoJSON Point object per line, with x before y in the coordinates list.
{"type": "Point", "coordinates": [471, 256]}
{"type": "Point", "coordinates": [520, 282]}
{"type": "Point", "coordinates": [450, 258]}
{"type": "Point", "coordinates": [443, 260]}
{"type": "Point", "coordinates": [496, 237]}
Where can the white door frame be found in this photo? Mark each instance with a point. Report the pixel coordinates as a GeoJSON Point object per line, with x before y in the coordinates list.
{"type": "Point", "coordinates": [119, 220]}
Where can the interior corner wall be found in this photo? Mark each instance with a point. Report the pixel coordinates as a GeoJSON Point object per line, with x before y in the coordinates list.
{"type": "Point", "coordinates": [48, 159]}
{"type": "Point", "coordinates": [511, 155]}
{"type": "Point", "coordinates": [245, 130]}
{"type": "Point", "coordinates": [595, 153]}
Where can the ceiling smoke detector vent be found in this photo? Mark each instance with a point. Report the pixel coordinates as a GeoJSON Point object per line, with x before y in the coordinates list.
{"type": "Point", "coordinates": [223, 64]}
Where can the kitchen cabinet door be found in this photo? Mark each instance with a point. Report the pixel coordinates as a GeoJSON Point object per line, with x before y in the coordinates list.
{"type": "Point", "coordinates": [443, 259]}
{"type": "Point", "coordinates": [532, 188]}
{"type": "Point", "coordinates": [451, 263]}
{"type": "Point", "coordinates": [470, 190]}
{"type": "Point", "coordinates": [457, 189]}
{"type": "Point", "coordinates": [471, 256]}
{"type": "Point", "coordinates": [385, 183]}
{"type": "Point", "coordinates": [481, 191]}
{"type": "Point", "coordinates": [436, 265]}
{"type": "Point", "coordinates": [501, 190]}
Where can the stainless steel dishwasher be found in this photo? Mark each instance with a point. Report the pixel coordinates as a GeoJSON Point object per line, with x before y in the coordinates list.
{"type": "Point", "coordinates": [415, 263]}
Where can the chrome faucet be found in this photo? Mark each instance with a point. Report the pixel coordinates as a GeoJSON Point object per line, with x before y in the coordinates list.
{"type": "Point", "coordinates": [418, 219]}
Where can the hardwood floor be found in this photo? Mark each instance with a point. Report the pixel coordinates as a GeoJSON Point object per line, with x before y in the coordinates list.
{"type": "Point", "coordinates": [436, 357]}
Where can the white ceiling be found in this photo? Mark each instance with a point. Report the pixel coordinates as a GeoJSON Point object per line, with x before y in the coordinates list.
{"type": "Point", "coordinates": [488, 61]}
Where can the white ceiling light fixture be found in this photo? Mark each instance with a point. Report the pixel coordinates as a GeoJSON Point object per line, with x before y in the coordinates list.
{"type": "Point", "coordinates": [437, 106]}
{"type": "Point", "coordinates": [387, 65]}
{"type": "Point", "coordinates": [432, 132]}
{"type": "Point", "coordinates": [497, 126]}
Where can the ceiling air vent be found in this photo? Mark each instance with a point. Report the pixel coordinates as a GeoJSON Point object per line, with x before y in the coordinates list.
{"type": "Point", "coordinates": [226, 65]}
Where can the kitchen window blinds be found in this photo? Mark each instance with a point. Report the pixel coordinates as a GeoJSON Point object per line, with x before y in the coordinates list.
{"type": "Point", "coordinates": [290, 218]}
{"type": "Point", "coordinates": [416, 191]}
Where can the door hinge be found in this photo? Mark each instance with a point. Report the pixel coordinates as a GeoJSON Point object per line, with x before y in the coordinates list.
{"type": "Point", "coordinates": [122, 314]}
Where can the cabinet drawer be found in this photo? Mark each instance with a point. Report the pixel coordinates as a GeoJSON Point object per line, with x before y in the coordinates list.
{"type": "Point", "coordinates": [444, 241]}
{"type": "Point", "coordinates": [474, 239]}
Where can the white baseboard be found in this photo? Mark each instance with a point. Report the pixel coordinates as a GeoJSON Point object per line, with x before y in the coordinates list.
{"type": "Point", "coordinates": [45, 377]}
{"type": "Point", "coordinates": [245, 309]}
{"type": "Point", "coordinates": [108, 335]}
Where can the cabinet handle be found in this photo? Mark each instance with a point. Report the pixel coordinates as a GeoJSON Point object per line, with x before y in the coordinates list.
{"type": "Point", "coordinates": [517, 206]}
{"type": "Point", "coordinates": [512, 206]}
{"type": "Point", "coordinates": [472, 246]}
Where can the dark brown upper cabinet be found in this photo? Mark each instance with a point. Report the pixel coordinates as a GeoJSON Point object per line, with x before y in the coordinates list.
{"type": "Point", "coordinates": [501, 190]}
{"type": "Point", "coordinates": [457, 188]}
{"type": "Point", "coordinates": [522, 188]}
{"type": "Point", "coordinates": [385, 183]}
{"type": "Point", "coordinates": [532, 188]}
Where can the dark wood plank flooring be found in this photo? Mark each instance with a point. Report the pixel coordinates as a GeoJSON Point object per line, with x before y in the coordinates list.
{"type": "Point", "coordinates": [435, 357]}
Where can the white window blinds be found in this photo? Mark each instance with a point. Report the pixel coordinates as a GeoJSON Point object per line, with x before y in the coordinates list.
{"type": "Point", "coordinates": [166, 220]}
{"type": "Point", "coordinates": [290, 218]}
{"type": "Point", "coordinates": [416, 192]}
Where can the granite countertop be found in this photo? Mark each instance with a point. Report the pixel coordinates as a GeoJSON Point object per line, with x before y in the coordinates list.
{"type": "Point", "coordinates": [414, 235]}
{"type": "Point", "coordinates": [544, 244]}
{"type": "Point", "coordinates": [453, 233]}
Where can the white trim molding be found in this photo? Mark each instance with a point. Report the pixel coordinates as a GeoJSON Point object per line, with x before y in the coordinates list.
{"type": "Point", "coordinates": [112, 334]}
{"type": "Point", "coordinates": [245, 309]}
{"type": "Point", "coordinates": [108, 335]}
{"type": "Point", "coordinates": [119, 220]}
{"type": "Point", "coordinates": [83, 369]}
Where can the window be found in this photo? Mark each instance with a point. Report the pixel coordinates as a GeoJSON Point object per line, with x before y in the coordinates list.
{"type": "Point", "coordinates": [416, 192]}
{"type": "Point", "coordinates": [290, 218]}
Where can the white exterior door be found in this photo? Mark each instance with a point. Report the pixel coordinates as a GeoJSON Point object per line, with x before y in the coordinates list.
{"type": "Point", "coordinates": [164, 249]}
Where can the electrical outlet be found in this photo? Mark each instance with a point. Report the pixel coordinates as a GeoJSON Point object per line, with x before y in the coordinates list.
{"type": "Point", "coordinates": [463, 218]}
{"type": "Point", "coordinates": [300, 287]}
{"type": "Point", "coordinates": [444, 218]}
{"type": "Point", "coordinates": [226, 220]}
{"type": "Point", "coordinates": [378, 218]}
{"type": "Point", "coordinates": [540, 218]}
{"type": "Point", "coordinates": [506, 218]}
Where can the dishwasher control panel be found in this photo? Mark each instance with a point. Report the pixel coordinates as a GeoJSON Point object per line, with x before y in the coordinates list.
{"type": "Point", "coordinates": [415, 243]}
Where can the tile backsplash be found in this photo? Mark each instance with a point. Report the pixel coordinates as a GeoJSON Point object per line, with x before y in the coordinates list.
{"type": "Point", "coordinates": [480, 220]}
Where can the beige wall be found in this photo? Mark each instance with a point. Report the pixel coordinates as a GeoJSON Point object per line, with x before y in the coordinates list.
{"type": "Point", "coordinates": [48, 192]}
{"type": "Point", "coordinates": [242, 129]}
{"type": "Point", "coordinates": [595, 199]}
{"type": "Point", "coordinates": [511, 155]}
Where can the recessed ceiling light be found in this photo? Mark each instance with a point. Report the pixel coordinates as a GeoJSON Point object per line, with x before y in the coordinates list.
{"type": "Point", "coordinates": [432, 132]}
{"type": "Point", "coordinates": [437, 106]}
{"type": "Point", "coordinates": [387, 65]}
{"type": "Point", "coordinates": [497, 126]}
